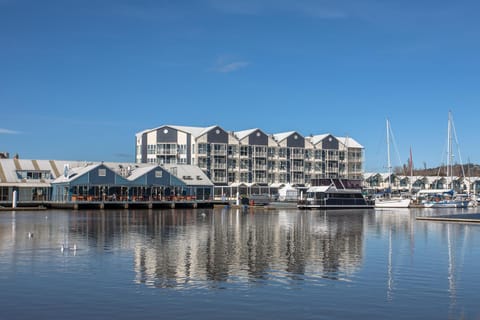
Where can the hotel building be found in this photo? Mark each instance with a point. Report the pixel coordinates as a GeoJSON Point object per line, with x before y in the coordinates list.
{"type": "Point", "coordinates": [253, 157]}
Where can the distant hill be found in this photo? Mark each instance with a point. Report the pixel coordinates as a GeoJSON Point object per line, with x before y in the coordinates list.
{"type": "Point", "coordinates": [469, 169]}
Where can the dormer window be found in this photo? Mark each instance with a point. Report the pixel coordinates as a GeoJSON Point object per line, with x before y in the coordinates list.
{"type": "Point", "coordinates": [34, 174]}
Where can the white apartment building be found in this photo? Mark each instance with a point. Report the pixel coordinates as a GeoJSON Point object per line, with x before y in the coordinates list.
{"type": "Point", "coordinates": [253, 156]}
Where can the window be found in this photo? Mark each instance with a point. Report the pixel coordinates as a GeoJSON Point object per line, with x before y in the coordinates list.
{"type": "Point", "coordinates": [202, 148]}
{"type": "Point", "coordinates": [244, 164]}
{"type": "Point", "coordinates": [232, 164]}
{"type": "Point", "coordinates": [182, 149]}
{"type": "Point", "coordinates": [151, 149]}
{"type": "Point", "coordinates": [34, 175]}
{"type": "Point", "coordinates": [219, 148]}
{"type": "Point", "coordinates": [244, 177]}
{"type": "Point", "coordinates": [244, 151]}
{"type": "Point", "coordinates": [232, 150]}
{"type": "Point", "coordinates": [231, 177]}
{"type": "Point", "coordinates": [102, 172]}
{"type": "Point", "coordinates": [271, 152]}
{"type": "Point", "coordinates": [158, 174]}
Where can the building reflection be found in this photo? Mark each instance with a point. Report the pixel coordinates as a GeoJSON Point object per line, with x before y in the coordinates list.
{"type": "Point", "coordinates": [175, 248]}
{"type": "Point", "coordinates": [222, 246]}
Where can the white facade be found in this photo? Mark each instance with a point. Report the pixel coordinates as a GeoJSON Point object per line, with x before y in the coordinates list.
{"type": "Point", "coordinates": [252, 156]}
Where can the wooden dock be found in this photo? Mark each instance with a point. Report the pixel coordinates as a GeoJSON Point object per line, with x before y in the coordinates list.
{"type": "Point", "coordinates": [105, 205]}
{"type": "Point", "coordinates": [463, 218]}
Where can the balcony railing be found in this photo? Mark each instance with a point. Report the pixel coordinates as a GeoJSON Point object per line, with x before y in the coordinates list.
{"type": "Point", "coordinates": [331, 158]}
{"type": "Point", "coordinates": [260, 154]}
{"type": "Point", "coordinates": [298, 168]}
{"type": "Point", "coordinates": [297, 156]}
{"type": "Point", "coordinates": [219, 152]}
{"type": "Point", "coordinates": [166, 152]}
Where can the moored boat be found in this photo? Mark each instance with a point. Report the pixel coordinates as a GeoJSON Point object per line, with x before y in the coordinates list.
{"type": "Point", "coordinates": [388, 200]}
{"type": "Point", "coordinates": [392, 202]}
{"type": "Point", "coordinates": [441, 198]}
{"type": "Point", "coordinates": [445, 198]}
{"type": "Point", "coordinates": [330, 197]}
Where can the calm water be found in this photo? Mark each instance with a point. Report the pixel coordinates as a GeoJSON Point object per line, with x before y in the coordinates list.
{"type": "Point", "coordinates": [228, 264]}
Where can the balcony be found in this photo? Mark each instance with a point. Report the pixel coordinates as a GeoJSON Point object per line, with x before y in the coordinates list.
{"type": "Point", "coordinates": [219, 166]}
{"type": "Point", "coordinates": [298, 181]}
{"type": "Point", "coordinates": [332, 158]}
{"type": "Point", "coordinates": [219, 179]}
{"type": "Point", "coordinates": [298, 168]}
{"type": "Point", "coordinates": [259, 155]}
{"type": "Point", "coordinates": [297, 156]}
{"type": "Point", "coordinates": [219, 152]}
{"type": "Point", "coordinates": [167, 152]}
{"type": "Point", "coordinates": [260, 180]}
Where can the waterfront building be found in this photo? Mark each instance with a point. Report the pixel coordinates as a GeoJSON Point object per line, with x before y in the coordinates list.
{"type": "Point", "coordinates": [252, 157]}
{"type": "Point", "coordinates": [376, 182]}
{"type": "Point", "coordinates": [65, 181]}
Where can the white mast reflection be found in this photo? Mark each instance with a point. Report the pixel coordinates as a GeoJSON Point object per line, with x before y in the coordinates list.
{"type": "Point", "coordinates": [389, 267]}
{"type": "Point", "coordinates": [451, 270]}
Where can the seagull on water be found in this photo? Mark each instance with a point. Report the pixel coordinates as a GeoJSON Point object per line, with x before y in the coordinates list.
{"type": "Point", "coordinates": [30, 235]}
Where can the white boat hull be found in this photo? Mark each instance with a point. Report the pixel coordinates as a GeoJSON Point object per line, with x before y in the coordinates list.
{"type": "Point", "coordinates": [392, 203]}
{"type": "Point", "coordinates": [446, 204]}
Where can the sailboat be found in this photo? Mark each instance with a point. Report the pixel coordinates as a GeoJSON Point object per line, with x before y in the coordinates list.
{"type": "Point", "coordinates": [444, 198]}
{"type": "Point", "coordinates": [389, 201]}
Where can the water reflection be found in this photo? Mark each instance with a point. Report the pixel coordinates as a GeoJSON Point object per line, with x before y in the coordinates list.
{"type": "Point", "coordinates": [182, 248]}
{"type": "Point", "coordinates": [232, 247]}
{"type": "Point", "coordinates": [444, 243]}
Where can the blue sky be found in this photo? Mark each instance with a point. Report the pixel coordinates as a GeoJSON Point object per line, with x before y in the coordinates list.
{"type": "Point", "coordinates": [79, 78]}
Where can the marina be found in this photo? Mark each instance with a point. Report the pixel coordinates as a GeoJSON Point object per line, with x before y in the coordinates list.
{"type": "Point", "coordinates": [236, 160]}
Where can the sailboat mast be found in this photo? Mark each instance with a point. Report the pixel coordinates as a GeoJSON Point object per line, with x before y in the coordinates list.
{"type": "Point", "coordinates": [410, 163]}
{"type": "Point", "coordinates": [449, 151]}
{"type": "Point", "coordinates": [388, 155]}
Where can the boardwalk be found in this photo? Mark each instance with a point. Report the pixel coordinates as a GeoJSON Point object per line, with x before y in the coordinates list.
{"type": "Point", "coordinates": [75, 205]}
{"type": "Point", "coordinates": [468, 218]}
